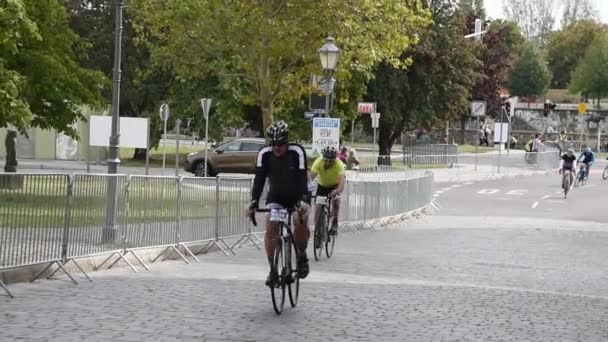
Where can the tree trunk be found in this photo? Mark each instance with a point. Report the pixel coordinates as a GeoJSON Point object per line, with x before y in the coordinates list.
{"type": "Point", "coordinates": [265, 88]}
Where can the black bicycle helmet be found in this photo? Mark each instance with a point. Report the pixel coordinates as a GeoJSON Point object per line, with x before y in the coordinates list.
{"type": "Point", "coordinates": [329, 153]}
{"type": "Point", "coordinates": [278, 133]}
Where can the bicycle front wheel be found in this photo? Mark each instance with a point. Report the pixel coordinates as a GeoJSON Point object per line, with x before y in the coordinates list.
{"type": "Point", "coordinates": [320, 229]}
{"type": "Point", "coordinates": [566, 183]}
{"type": "Point", "coordinates": [293, 280]}
{"type": "Point", "coordinates": [331, 239]}
{"type": "Point", "coordinates": [277, 290]}
{"type": "Point", "coordinates": [605, 173]}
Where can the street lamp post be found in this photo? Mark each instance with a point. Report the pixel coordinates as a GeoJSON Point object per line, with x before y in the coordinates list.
{"type": "Point", "coordinates": [109, 231]}
{"type": "Point", "coordinates": [329, 54]}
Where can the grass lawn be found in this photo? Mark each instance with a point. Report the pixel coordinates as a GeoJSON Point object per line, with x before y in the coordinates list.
{"type": "Point", "coordinates": [156, 156]}
{"type": "Point", "coordinates": [471, 149]}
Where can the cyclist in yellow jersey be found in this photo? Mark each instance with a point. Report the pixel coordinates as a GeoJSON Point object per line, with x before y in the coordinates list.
{"type": "Point", "coordinates": [329, 172]}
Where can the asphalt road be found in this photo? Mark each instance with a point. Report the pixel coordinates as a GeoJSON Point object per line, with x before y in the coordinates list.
{"type": "Point", "coordinates": [534, 196]}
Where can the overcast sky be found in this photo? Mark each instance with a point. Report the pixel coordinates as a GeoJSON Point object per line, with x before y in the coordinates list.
{"type": "Point", "coordinates": [494, 9]}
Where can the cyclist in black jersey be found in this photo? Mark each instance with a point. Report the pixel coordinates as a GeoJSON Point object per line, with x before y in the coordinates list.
{"type": "Point", "coordinates": [284, 164]}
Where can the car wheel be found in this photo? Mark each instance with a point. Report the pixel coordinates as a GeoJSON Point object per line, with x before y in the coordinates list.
{"type": "Point", "coordinates": [199, 170]}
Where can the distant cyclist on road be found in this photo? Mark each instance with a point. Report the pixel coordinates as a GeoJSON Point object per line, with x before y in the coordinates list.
{"type": "Point", "coordinates": [568, 162]}
{"type": "Point", "coordinates": [588, 158]}
{"type": "Point", "coordinates": [331, 179]}
{"type": "Point", "coordinates": [284, 165]}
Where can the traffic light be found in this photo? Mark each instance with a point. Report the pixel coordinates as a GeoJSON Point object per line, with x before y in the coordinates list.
{"type": "Point", "coordinates": [508, 107]}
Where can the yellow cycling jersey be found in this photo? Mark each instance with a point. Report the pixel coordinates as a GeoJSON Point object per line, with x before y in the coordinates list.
{"type": "Point", "coordinates": [328, 177]}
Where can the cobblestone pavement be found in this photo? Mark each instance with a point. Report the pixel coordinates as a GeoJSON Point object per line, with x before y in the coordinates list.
{"type": "Point", "coordinates": [434, 280]}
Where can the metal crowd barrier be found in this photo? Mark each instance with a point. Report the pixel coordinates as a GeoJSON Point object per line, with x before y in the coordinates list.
{"type": "Point", "coordinates": [55, 219]}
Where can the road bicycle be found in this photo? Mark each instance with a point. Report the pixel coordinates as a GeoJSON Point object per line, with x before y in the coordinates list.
{"type": "Point", "coordinates": [322, 238]}
{"type": "Point", "coordinates": [566, 182]}
{"type": "Point", "coordinates": [284, 260]}
{"type": "Point", "coordinates": [605, 173]}
{"type": "Point", "coordinates": [581, 176]}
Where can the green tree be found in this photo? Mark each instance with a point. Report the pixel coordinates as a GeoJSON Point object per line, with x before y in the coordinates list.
{"type": "Point", "coordinates": [497, 52]}
{"type": "Point", "coordinates": [42, 83]}
{"type": "Point", "coordinates": [265, 51]}
{"type": "Point", "coordinates": [529, 76]}
{"type": "Point", "coordinates": [591, 76]}
{"type": "Point", "coordinates": [566, 48]}
{"type": "Point", "coordinates": [436, 87]}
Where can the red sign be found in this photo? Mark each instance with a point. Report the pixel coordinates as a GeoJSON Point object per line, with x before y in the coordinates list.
{"type": "Point", "coordinates": [366, 107]}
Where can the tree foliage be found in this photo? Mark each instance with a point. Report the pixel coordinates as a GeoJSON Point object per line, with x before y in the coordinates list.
{"type": "Point", "coordinates": [42, 83]}
{"type": "Point", "coordinates": [577, 10]}
{"type": "Point", "coordinates": [497, 53]}
{"type": "Point", "coordinates": [436, 87]}
{"type": "Point", "coordinates": [591, 76]}
{"type": "Point", "coordinates": [566, 48]}
{"type": "Point", "coordinates": [529, 76]}
{"type": "Point", "coordinates": [265, 51]}
{"type": "Point", "coordinates": [534, 17]}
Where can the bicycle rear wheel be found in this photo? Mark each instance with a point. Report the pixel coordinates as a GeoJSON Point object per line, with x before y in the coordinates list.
{"type": "Point", "coordinates": [277, 291]}
{"type": "Point", "coordinates": [605, 173]}
{"type": "Point", "coordinates": [320, 228]}
{"type": "Point", "coordinates": [293, 280]}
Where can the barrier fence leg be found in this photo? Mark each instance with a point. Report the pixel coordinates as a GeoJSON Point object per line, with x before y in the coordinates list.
{"type": "Point", "coordinates": [6, 289]}
{"type": "Point", "coordinates": [77, 266]}
{"type": "Point", "coordinates": [60, 266]}
{"type": "Point", "coordinates": [187, 251]}
{"type": "Point", "coordinates": [141, 262]}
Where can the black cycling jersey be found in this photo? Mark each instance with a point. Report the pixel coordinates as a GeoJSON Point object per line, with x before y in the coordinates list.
{"type": "Point", "coordinates": [287, 176]}
{"type": "Point", "coordinates": [568, 161]}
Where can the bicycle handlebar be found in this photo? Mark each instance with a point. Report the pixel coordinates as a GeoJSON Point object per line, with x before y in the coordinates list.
{"type": "Point", "coordinates": [266, 210]}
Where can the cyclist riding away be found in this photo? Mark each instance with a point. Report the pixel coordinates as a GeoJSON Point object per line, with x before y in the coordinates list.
{"type": "Point", "coordinates": [588, 158]}
{"type": "Point", "coordinates": [331, 179]}
{"type": "Point", "coordinates": [284, 164]}
{"type": "Point", "coordinates": [568, 162]}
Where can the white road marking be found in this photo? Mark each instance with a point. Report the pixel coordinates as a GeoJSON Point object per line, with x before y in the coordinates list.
{"type": "Point", "coordinates": [439, 191]}
{"type": "Point", "coordinates": [446, 189]}
{"type": "Point", "coordinates": [517, 192]}
{"type": "Point", "coordinates": [545, 197]}
{"type": "Point", "coordinates": [468, 183]}
{"type": "Point", "coordinates": [488, 191]}
{"type": "Point", "coordinates": [456, 186]}
{"type": "Point", "coordinates": [534, 205]}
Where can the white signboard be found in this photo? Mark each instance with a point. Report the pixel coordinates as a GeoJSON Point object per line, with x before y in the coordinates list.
{"type": "Point", "coordinates": [133, 131]}
{"type": "Point", "coordinates": [375, 120]}
{"type": "Point", "coordinates": [325, 132]}
{"type": "Point", "coordinates": [501, 132]}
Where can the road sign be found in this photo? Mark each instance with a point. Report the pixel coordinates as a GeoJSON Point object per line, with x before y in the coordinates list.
{"type": "Point", "coordinates": [582, 108]}
{"type": "Point", "coordinates": [325, 132]}
{"type": "Point", "coordinates": [164, 112]}
{"type": "Point", "coordinates": [317, 101]}
{"type": "Point", "coordinates": [478, 108]}
{"type": "Point", "coordinates": [366, 107]}
{"type": "Point", "coordinates": [375, 120]}
{"type": "Point", "coordinates": [206, 105]}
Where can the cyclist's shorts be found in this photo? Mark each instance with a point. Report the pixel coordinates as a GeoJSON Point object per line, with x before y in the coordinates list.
{"type": "Point", "coordinates": [568, 168]}
{"type": "Point", "coordinates": [323, 191]}
{"type": "Point", "coordinates": [304, 207]}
